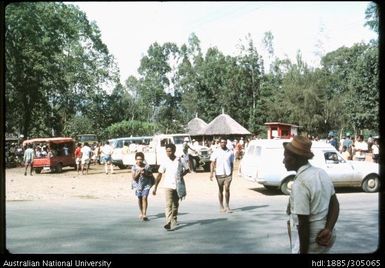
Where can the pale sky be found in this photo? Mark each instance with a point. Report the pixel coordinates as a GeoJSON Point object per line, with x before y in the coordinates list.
{"type": "Point", "coordinates": [129, 28]}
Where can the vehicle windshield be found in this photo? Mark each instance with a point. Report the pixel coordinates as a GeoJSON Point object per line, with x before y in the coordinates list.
{"type": "Point", "coordinates": [180, 139]}
{"type": "Point", "coordinates": [119, 143]}
{"type": "Point", "coordinates": [84, 138]}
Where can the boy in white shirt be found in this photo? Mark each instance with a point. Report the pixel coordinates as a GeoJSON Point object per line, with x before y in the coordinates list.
{"type": "Point", "coordinates": [173, 168]}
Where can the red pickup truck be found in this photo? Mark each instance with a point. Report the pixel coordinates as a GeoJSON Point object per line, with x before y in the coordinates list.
{"type": "Point", "coordinates": [52, 154]}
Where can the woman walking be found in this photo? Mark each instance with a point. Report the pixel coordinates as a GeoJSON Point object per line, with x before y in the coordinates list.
{"type": "Point", "coordinates": [142, 181]}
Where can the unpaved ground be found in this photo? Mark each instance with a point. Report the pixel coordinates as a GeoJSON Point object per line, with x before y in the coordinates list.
{"type": "Point", "coordinates": [98, 185]}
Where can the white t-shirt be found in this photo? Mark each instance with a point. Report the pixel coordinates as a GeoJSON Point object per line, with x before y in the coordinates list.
{"type": "Point", "coordinates": [223, 161]}
{"type": "Point", "coordinates": [107, 150]}
{"type": "Point", "coordinates": [170, 169]}
{"type": "Point", "coordinates": [86, 152]}
{"type": "Point", "coordinates": [361, 148]}
{"type": "Point", "coordinates": [375, 149]}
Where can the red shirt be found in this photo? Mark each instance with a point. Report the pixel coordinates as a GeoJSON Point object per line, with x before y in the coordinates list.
{"type": "Point", "coordinates": [78, 153]}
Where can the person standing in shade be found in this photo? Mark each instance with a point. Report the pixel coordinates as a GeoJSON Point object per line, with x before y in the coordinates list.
{"type": "Point", "coordinates": [142, 180]}
{"type": "Point", "coordinates": [222, 163]}
{"type": "Point", "coordinates": [313, 205]}
{"type": "Point", "coordinates": [28, 159]}
{"type": "Point", "coordinates": [173, 168]}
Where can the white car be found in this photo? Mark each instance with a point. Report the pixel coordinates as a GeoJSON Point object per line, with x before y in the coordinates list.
{"type": "Point", "coordinates": [263, 163]}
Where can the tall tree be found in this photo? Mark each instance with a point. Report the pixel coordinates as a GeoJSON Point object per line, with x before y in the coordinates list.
{"type": "Point", "coordinates": [251, 65]}
{"type": "Point", "coordinates": [267, 42]}
{"type": "Point", "coordinates": [371, 16]}
{"type": "Point", "coordinates": [187, 80]}
{"type": "Point", "coordinates": [210, 84]}
{"type": "Point", "coordinates": [301, 99]}
{"type": "Point", "coordinates": [353, 78]}
{"type": "Point", "coordinates": [155, 69]}
{"type": "Point", "coordinates": [53, 54]}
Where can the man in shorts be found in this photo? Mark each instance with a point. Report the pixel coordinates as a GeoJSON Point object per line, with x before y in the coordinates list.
{"type": "Point", "coordinates": [28, 159]}
{"type": "Point", "coordinates": [222, 162]}
{"type": "Point", "coordinates": [107, 151]}
{"type": "Point", "coordinates": [86, 155]}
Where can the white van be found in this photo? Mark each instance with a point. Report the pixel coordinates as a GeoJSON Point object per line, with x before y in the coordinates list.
{"type": "Point", "coordinates": [135, 144]}
{"type": "Point", "coordinates": [263, 163]}
{"type": "Point", "coordinates": [157, 153]}
{"type": "Point", "coordinates": [154, 148]}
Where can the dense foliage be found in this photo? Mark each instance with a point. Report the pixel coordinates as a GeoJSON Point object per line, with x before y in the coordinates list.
{"type": "Point", "coordinates": [58, 69]}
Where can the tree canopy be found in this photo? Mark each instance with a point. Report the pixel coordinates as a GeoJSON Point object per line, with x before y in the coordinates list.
{"type": "Point", "coordinates": [58, 71]}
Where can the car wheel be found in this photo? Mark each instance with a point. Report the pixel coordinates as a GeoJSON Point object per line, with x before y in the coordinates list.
{"type": "Point", "coordinates": [286, 185]}
{"type": "Point", "coordinates": [206, 167]}
{"type": "Point", "coordinates": [38, 170]}
{"type": "Point", "coordinates": [371, 184]}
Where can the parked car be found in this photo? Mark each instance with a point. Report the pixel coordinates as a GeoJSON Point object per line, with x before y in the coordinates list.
{"type": "Point", "coordinates": [60, 153]}
{"type": "Point", "coordinates": [263, 163]}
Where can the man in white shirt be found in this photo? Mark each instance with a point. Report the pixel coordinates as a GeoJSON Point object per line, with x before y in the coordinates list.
{"type": "Point", "coordinates": [222, 162]}
{"type": "Point", "coordinates": [313, 206]}
{"type": "Point", "coordinates": [86, 155]}
{"type": "Point", "coordinates": [360, 148]}
{"type": "Point", "coordinates": [173, 168]}
{"type": "Point", "coordinates": [107, 151]}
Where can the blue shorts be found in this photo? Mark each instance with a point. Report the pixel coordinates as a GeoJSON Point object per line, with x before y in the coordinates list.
{"type": "Point", "coordinates": [107, 158]}
{"type": "Point", "coordinates": [142, 193]}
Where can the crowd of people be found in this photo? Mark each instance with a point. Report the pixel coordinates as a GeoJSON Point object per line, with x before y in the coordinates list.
{"type": "Point", "coordinates": [313, 207]}
{"type": "Point", "coordinates": [355, 147]}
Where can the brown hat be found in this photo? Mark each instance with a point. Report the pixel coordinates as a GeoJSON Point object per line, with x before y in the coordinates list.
{"type": "Point", "coordinates": [300, 146]}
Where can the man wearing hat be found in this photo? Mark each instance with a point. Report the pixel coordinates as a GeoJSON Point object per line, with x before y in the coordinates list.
{"type": "Point", "coordinates": [186, 148]}
{"type": "Point", "coordinates": [313, 206]}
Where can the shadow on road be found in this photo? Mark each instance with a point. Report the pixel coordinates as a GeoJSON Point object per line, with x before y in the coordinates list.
{"type": "Point", "coordinates": [248, 208]}
{"type": "Point", "coordinates": [161, 215]}
{"type": "Point", "coordinates": [267, 191]}
{"type": "Point", "coordinates": [200, 222]}
{"type": "Point", "coordinates": [339, 190]}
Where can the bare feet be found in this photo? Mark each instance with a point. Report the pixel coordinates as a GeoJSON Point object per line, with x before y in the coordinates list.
{"type": "Point", "coordinates": [228, 210]}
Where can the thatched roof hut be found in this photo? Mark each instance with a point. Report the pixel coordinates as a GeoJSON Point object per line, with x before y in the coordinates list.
{"type": "Point", "coordinates": [223, 124]}
{"type": "Point", "coordinates": [196, 127]}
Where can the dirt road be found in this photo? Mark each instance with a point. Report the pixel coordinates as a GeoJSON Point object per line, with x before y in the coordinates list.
{"type": "Point", "coordinates": [98, 185]}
